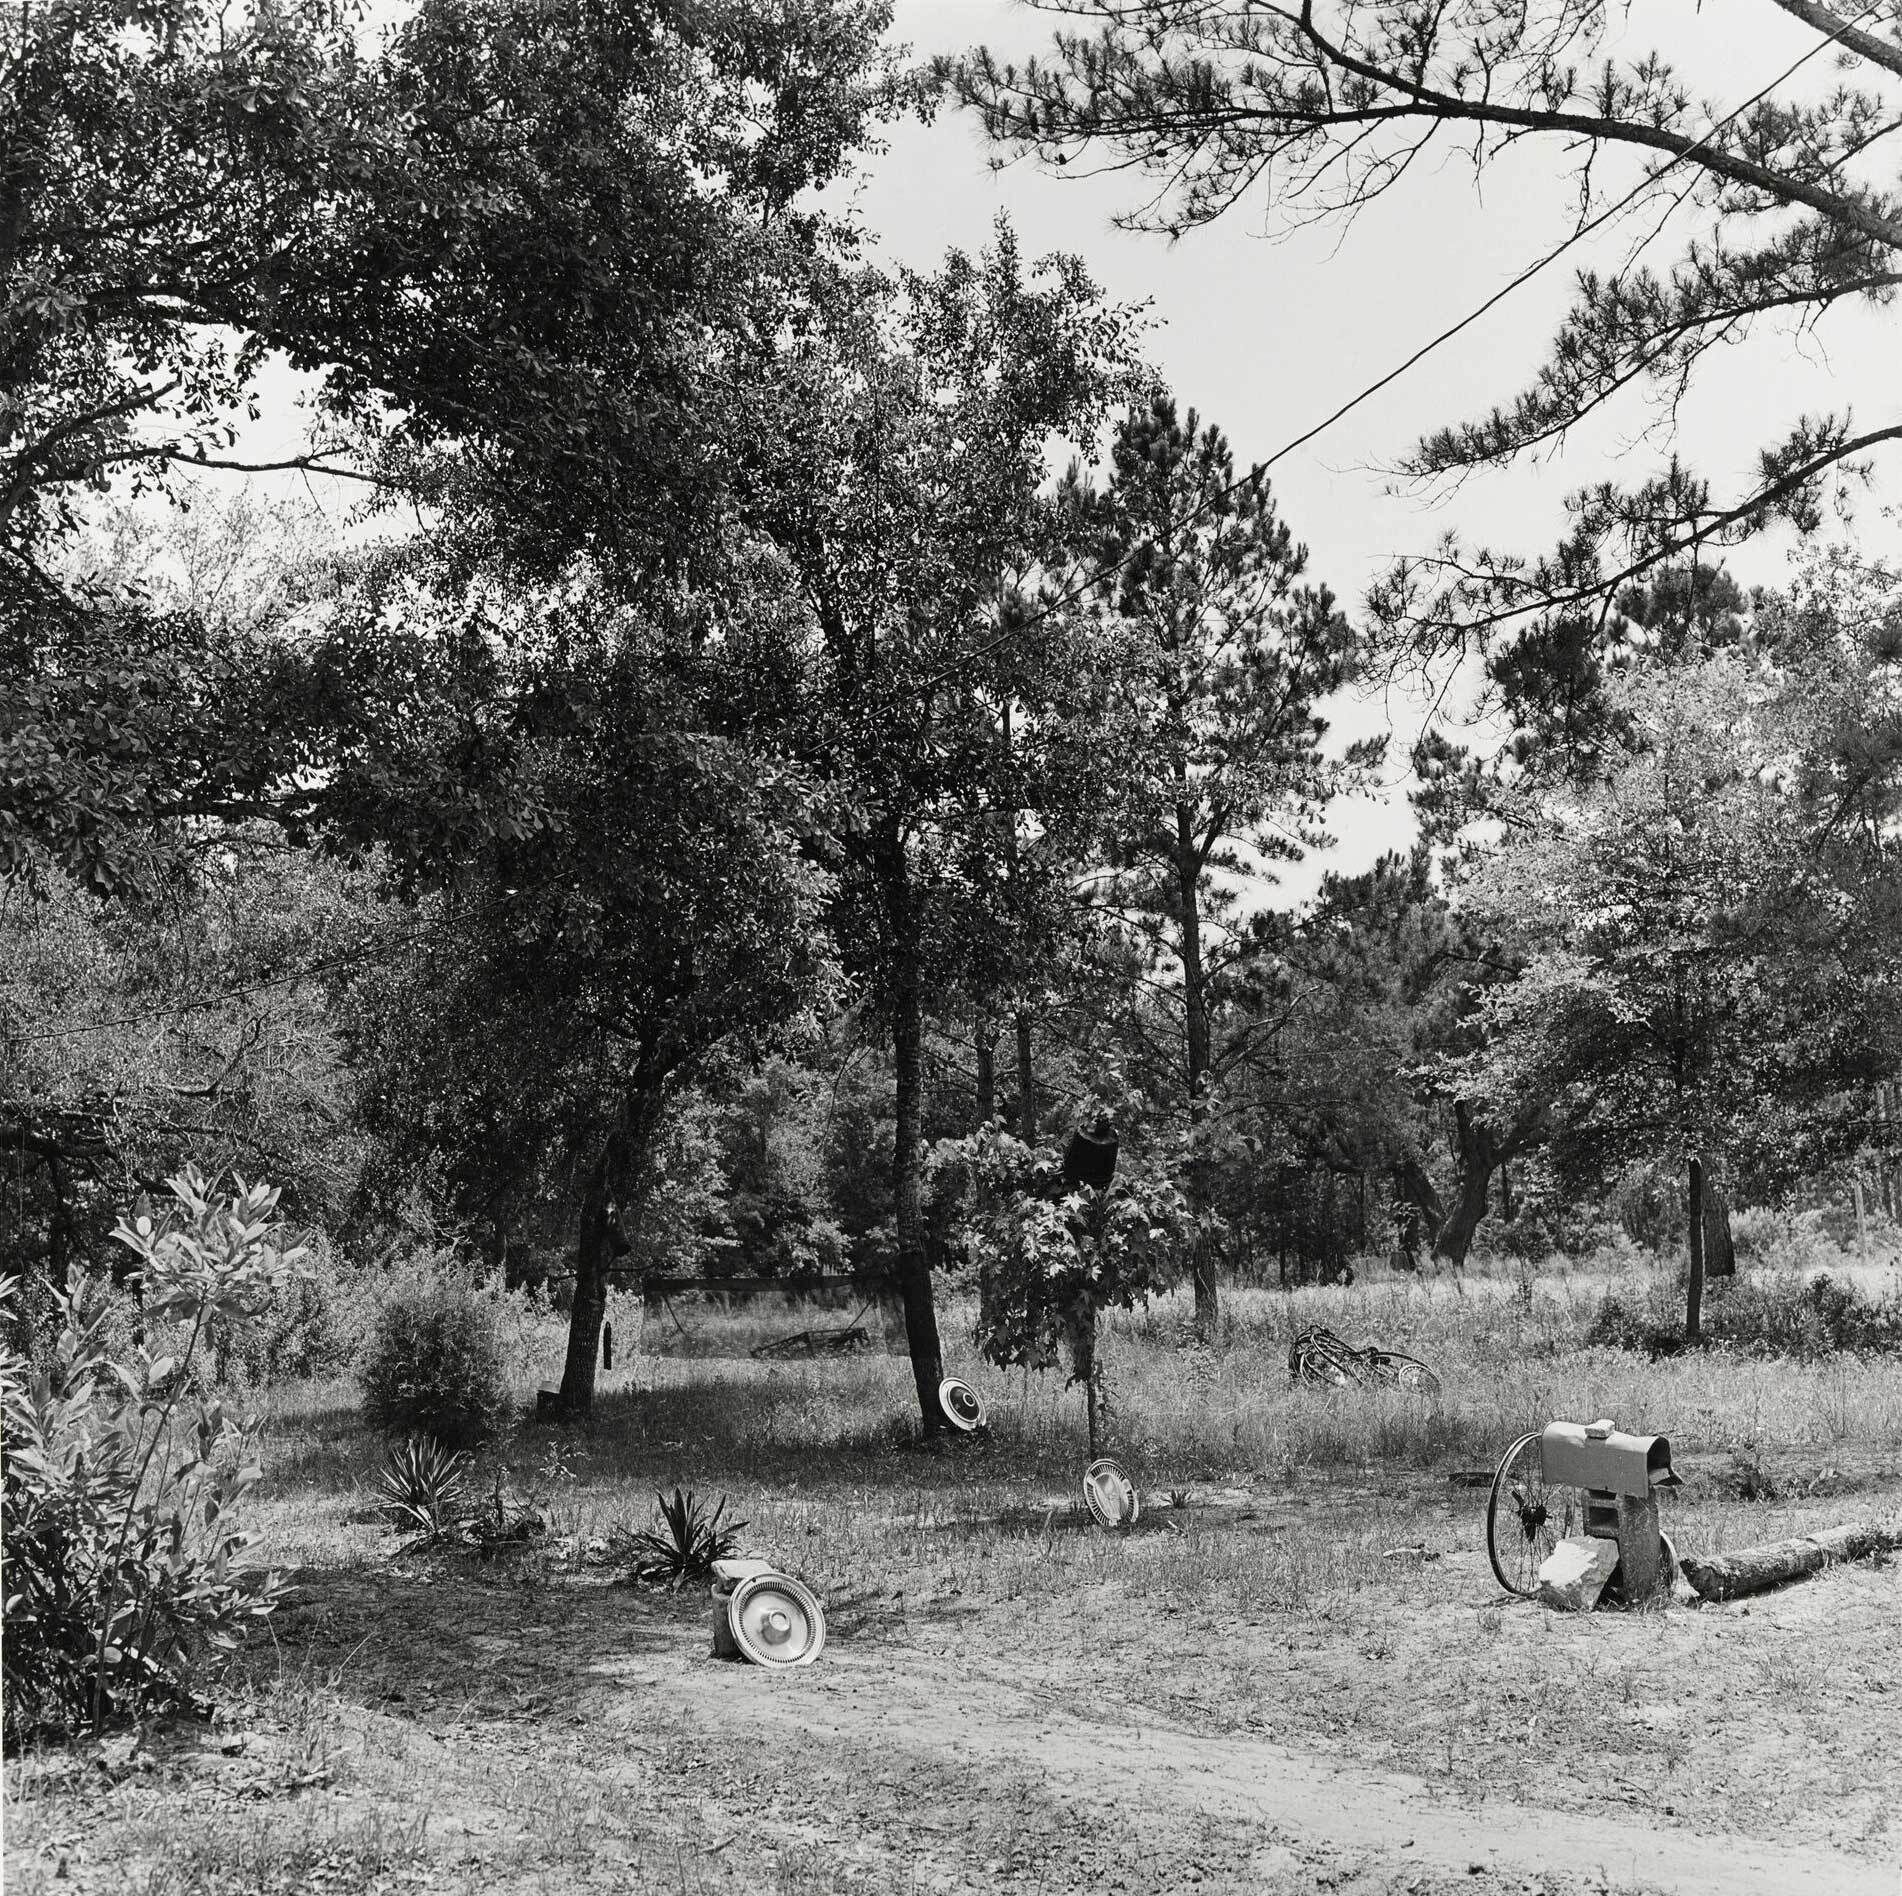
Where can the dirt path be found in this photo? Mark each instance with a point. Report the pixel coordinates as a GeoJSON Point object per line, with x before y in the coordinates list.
{"type": "Point", "coordinates": [453, 1731]}
{"type": "Point", "coordinates": [858, 1704]}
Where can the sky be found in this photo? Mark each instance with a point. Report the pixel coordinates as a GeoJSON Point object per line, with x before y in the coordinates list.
{"type": "Point", "coordinates": [1267, 331]}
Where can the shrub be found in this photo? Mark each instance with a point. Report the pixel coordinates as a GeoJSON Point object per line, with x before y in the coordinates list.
{"type": "Point", "coordinates": [1049, 1262]}
{"type": "Point", "coordinates": [435, 1363]}
{"type": "Point", "coordinates": [122, 1575]}
{"type": "Point", "coordinates": [318, 1328]}
{"type": "Point", "coordinates": [1777, 1314]}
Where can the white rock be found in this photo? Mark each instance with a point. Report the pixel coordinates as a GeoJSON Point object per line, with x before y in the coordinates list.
{"type": "Point", "coordinates": [1575, 1572]}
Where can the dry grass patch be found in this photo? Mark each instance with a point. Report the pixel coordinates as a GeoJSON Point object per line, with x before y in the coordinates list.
{"type": "Point", "coordinates": [528, 1723]}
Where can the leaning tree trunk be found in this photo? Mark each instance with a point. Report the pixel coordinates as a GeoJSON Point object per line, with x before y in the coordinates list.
{"type": "Point", "coordinates": [914, 1264]}
{"type": "Point", "coordinates": [1478, 1157]}
{"type": "Point", "coordinates": [1196, 1033]}
{"type": "Point", "coordinates": [594, 1251]}
{"type": "Point", "coordinates": [984, 1045]}
{"type": "Point", "coordinates": [1421, 1211]}
{"type": "Point", "coordinates": [1694, 1218]}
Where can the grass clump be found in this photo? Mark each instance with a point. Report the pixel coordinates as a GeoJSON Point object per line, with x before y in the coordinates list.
{"type": "Point", "coordinates": [422, 1484]}
{"type": "Point", "coordinates": [686, 1539]}
{"type": "Point", "coordinates": [436, 1363]}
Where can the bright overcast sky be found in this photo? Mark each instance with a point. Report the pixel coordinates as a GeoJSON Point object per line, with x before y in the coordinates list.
{"type": "Point", "coordinates": [1266, 335]}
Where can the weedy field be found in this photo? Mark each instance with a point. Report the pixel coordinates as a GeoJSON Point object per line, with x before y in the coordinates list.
{"type": "Point", "coordinates": [1295, 1673]}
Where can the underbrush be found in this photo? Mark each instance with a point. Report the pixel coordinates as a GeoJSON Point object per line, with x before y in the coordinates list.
{"type": "Point", "coordinates": [435, 1363]}
{"type": "Point", "coordinates": [1780, 1314]}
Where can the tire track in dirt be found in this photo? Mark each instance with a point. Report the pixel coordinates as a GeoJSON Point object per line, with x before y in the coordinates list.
{"type": "Point", "coordinates": [957, 1713]}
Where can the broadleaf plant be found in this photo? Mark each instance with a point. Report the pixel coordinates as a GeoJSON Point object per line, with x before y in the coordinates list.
{"type": "Point", "coordinates": [124, 1574]}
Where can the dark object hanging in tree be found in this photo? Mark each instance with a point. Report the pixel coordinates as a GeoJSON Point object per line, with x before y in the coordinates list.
{"type": "Point", "coordinates": [1090, 1158]}
{"type": "Point", "coordinates": [607, 1346]}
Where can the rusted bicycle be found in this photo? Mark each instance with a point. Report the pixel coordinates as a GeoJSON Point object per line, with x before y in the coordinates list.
{"type": "Point", "coordinates": [1320, 1356]}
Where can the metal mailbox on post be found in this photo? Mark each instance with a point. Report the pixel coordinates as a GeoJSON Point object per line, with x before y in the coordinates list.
{"type": "Point", "coordinates": [1621, 1475]}
{"type": "Point", "coordinates": [1580, 1478]}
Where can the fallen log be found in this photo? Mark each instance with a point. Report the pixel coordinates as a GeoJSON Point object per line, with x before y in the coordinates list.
{"type": "Point", "coordinates": [1751, 1569]}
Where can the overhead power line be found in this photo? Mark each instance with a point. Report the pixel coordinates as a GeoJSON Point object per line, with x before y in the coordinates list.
{"type": "Point", "coordinates": [1446, 335]}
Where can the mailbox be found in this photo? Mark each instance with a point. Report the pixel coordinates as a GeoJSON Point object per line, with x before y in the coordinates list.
{"type": "Point", "coordinates": [1617, 1477]}
{"type": "Point", "coordinates": [1603, 1460]}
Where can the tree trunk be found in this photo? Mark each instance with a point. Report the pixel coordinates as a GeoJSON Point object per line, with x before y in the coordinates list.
{"type": "Point", "coordinates": [1026, 1081]}
{"type": "Point", "coordinates": [1750, 1569]}
{"type": "Point", "coordinates": [1889, 1099]}
{"type": "Point", "coordinates": [914, 1264]}
{"type": "Point", "coordinates": [1196, 1035]}
{"type": "Point", "coordinates": [1083, 1369]}
{"type": "Point", "coordinates": [1478, 1155]}
{"type": "Point", "coordinates": [594, 1252]}
{"type": "Point", "coordinates": [1421, 1211]}
{"type": "Point", "coordinates": [1694, 1218]}
{"type": "Point", "coordinates": [1885, 1153]}
{"type": "Point", "coordinates": [59, 1224]}
{"type": "Point", "coordinates": [1720, 1249]}
{"type": "Point", "coordinates": [984, 1043]}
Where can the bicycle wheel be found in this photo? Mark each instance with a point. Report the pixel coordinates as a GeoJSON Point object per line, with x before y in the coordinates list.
{"type": "Point", "coordinates": [786, 1349]}
{"type": "Point", "coordinates": [1317, 1357]}
{"type": "Point", "coordinates": [1525, 1519]}
{"type": "Point", "coordinates": [1402, 1371]}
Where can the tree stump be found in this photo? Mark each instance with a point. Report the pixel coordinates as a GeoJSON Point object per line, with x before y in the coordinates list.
{"type": "Point", "coordinates": [1751, 1569]}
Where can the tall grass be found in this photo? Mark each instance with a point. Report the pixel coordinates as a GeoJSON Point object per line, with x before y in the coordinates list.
{"type": "Point", "coordinates": [824, 1453]}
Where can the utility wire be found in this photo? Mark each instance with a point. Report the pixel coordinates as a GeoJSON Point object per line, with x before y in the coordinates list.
{"type": "Point", "coordinates": [1525, 276]}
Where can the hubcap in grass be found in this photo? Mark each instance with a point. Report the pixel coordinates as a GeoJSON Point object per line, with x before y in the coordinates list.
{"type": "Point", "coordinates": [1110, 1494]}
{"type": "Point", "coordinates": [1526, 1520]}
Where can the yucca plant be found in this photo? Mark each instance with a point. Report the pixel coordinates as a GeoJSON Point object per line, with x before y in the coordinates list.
{"type": "Point", "coordinates": [422, 1483]}
{"type": "Point", "coordinates": [686, 1539]}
